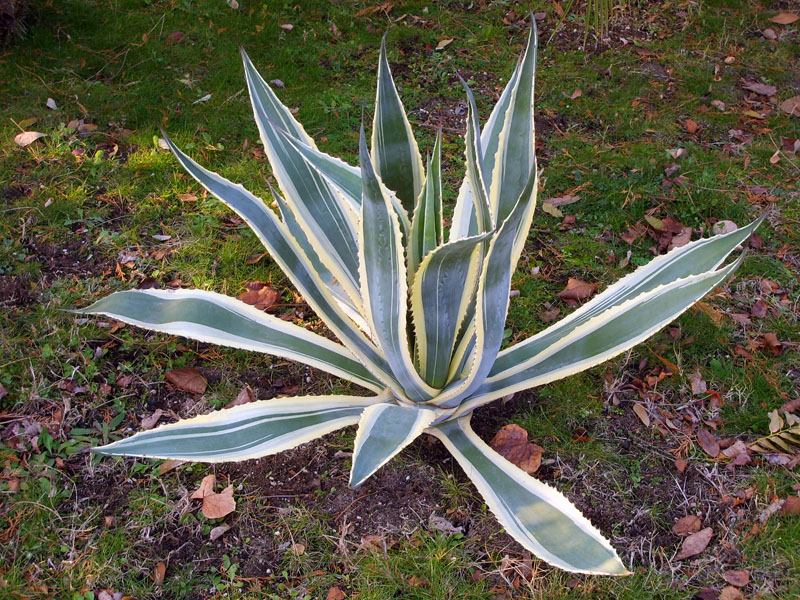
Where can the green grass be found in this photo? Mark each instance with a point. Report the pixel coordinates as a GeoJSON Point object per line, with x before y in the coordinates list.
{"type": "Point", "coordinates": [74, 206]}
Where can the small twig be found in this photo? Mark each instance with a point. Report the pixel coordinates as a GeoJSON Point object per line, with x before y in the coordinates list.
{"type": "Point", "coordinates": [339, 516]}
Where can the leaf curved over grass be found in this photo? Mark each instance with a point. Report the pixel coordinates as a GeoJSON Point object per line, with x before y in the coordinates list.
{"type": "Point", "coordinates": [533, 513]}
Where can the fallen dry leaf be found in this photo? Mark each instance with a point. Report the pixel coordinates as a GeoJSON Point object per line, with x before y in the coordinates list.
{"type": "Point", "coordinates": [441, 524]}
{"type": "Point", "coordinates": [735, 450]}
{"type": "Point", "coordinates": [562, 200]}
{"type": "Point", "coordinates": [255, 258]}
{"type": "Point", "coordinates": [681, 464]}
{"type": "Point", "coordinates": [206, 487]}
{"type": "Point", "coordinates": [373, 543]}
{"type": "Point", "coordinates": [790, 507]}
{"type": "Point", "coordinates": [286, 26]}
{"type": "Point", "coordinates": [417, 582]}
{"type": "Point", "coordinates": [159, 572]}
{"type": "Point", "coordinates": [699, 386]}
{"type": "Point", "coordinates": [631, 234]}
{"type": "Point", "coordinates": [737, 577]}
{"type": "Point", "coordinates": [51, 104]}
{"type": "Point", "coordinates": [260, 295]}
{"type": "Point", "coordinates": [775, 421]}
{"type": "Point", "coordinates": [785, 18]}
{"type": "Point", "coordinates": [791, 106]}
{"type": "Point", "coordinates": [759, 309]}
{"type": "Point", "coordinates": [695, 543]}
{"type": "Point", "coordinates": [298, 549]}
{"type": "Point", "coordinates": [188, 379]}
{"type": "Point", "coordinates": [762, 89]}
{"type": "Point", "coordinates": [576, 291]}
{"type": "Point", "coordinates": [218, 531]}
{"type": "Point", "coordinates": [731, 593]}
{"type": "Point", "coordinates": [150, 422]}
{"type": "Point", "coordinates": [708, 442]}
{"type": "Point", "coordinates": [216, 506]}
{"type": "Point", "coordinates": [245, 396]}
{"type": "Point", "coordinates": [27, 137]}
{"type": "Point", "coordinates": [641, 412]}
{"type": "Point", "coordinates": [769, 34]}
{"type": "Point", "coordinates": [551, 210]}
{"type": "Point", "coordinates": [169, 465]}
{"type": "Point", "coordinates": [724, 226]}
{"type": "Point", "coordinates": [548, 316]}
{"type": "Point", "coordinates": [444, 43]}
{"type": "Point", "coordinates": [790, 145]}
{"type": "Point", "coordinates": [335, 594]}
{"type": "Point", "coordinates": [576, 94]}
{"type": "Point", "coordinates": [686, 525]}
{"type": "Point", "coordinates": [789, 407]}
{"type": "Point", "coordinates": [690, 125]}
{"type": "Point", "coordinates": [174, 37]}
{"type": "Point", "coordinates": [680, 239]}
{"type": "Point", "coordinates": [769, 344]}
{"type": "Point", "coordinates": [512, 443]}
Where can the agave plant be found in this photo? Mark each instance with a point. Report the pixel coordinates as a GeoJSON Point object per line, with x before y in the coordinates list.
{"type": "Point", "coordinates": [366, 247]}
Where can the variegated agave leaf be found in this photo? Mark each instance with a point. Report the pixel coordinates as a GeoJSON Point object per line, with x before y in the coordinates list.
{"type": "Point", "coordinates": [366, 248]}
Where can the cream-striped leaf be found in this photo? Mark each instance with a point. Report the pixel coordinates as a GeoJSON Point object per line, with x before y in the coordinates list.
{"type": "Point", "coordinates": [538, 516]}
{"type": "Point", "coordinates": [492, 299]}
{"type": "Point", "coordinates": [295, 229]}
{"type": "Point", "coordinates": [383, 280]}
{"type": "Point", "coordinates": [293, 262]}
{"type": "Point", "coordinates": [516, 149]}
{"type": "Point", "coordinates": [441, 293]}
{"type": "Point", "coordinates": [426, 224]}
{"type": "Point", "coordinates": [692, 259]}
{"type": "Point", "coordinates": [475, 167]}
{"type": "Point", "coordinates": [464, 220]}
{"type": "Point", "coordinates": [249, 431]}
{"type": "Point", "coordinates": [383, 431]}
{"type": "Point", "coordinates": [331, 224]}
{"type": "Point", "coordinates": [218, 319]}
{"type": "Point", "coordinates": [603, 337]}
{"type": "Point", "coordinates": [394, 149]}
{"type": "Point", "coordinates": [345, 178]}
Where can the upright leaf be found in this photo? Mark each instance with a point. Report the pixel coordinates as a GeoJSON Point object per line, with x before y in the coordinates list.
{"type": "Point", "coordinates": [475, 166]}
{"type": "Point", "coordinates": [384, 288]}
{"type": "Point", "coordinates": [516, 148]}
{"type": "Point", "coordinates": [394, 149]}
{"type": "Point", "coordinates": [330, 223]}
{"type": "Point", "coordinates": [443, 289]}
{"type": "Point", "coordinates": [426, 224]}
{"type": "Point", "coordinates": [492, 298]}
{"type": "Point", "coordinates": [345, 178]}
{"type": "Point", "coordinates": [350, 305]}
{"type": "Point", "coordinates": [293, 261]}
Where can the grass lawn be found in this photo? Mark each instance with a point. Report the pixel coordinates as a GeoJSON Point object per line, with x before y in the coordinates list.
{"type": "Point", "coordinates": [672, 123]}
